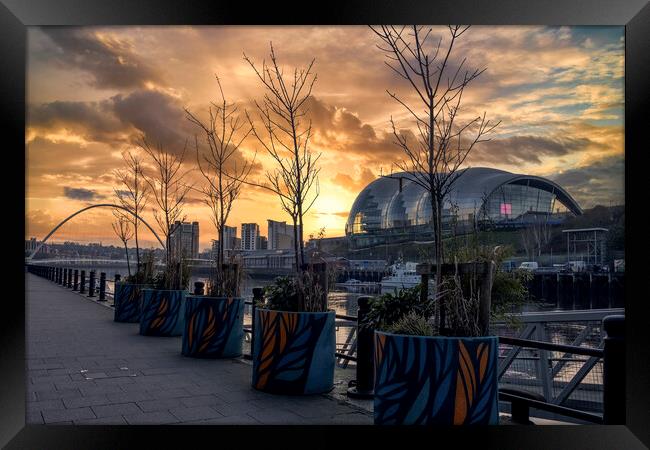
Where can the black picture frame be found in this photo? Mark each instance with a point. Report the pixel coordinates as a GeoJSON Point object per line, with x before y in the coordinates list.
{"type": "Point", "coordinates": [16, 15]}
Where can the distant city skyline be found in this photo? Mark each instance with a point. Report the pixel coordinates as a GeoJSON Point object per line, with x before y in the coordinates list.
{"type": "Point", "coordinates": [558, 92]}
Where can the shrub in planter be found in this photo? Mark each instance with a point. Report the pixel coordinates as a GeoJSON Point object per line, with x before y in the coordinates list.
{"type": "Point", "coordinates": [214, 324]}
{"type": "Point", "coordinates": [428, 374]}
{"type": "Point", "coordinates": [163, 308]}
{"type": "Point", "coordinates": [294, 342]}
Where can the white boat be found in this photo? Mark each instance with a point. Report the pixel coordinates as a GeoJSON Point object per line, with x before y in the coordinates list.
{"type": "Point", "coordinates": [403, 275]}
{"type": "Point", "coordinates": [357, 286]}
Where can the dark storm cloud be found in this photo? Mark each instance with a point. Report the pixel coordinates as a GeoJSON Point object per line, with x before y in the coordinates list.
{"type": "Point", "coordinates": [337, 129]}
{"type": "Point", "coordinates": [81, 193]}
{"type": "Point", "coordinates": [156, 115]}
{"type": "Point", "coordinates": [111, 62]}
{"type": "Point", "coordinates": [599, 183]}
{"type": "Point", "coordinates": [527, 149]}
{"type": "Point", "coordinates": [92, 120]}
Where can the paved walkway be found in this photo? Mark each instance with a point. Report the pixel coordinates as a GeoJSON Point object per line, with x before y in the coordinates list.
{"type": "Point", "coordinates": [83, 368]}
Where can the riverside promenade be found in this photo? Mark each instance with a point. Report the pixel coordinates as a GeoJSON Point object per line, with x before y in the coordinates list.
{"type": "Point", "coordinates": [83, 368]}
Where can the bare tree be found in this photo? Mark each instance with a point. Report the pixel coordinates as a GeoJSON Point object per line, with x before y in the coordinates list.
{"type": "Point", "coordinates": [537, 235]}
{"type": "Point", "coordinates": [122, 228]}
{"type": "Point", "coordinates": [133, 193]}
{"type": "Point", "coordinates": [435, 154]}
{"type": "Point", "coordinates": [286, 137]}
{"type": "Point", "coordinates": [224, 133]}
{"type": "Point", "coordinates": [528, 241]}
{"type": "Point", "coordinates": [168, 188]}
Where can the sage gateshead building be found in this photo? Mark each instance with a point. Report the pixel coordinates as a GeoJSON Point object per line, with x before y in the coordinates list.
{"type": "Point", "coordinates": [395, 209]}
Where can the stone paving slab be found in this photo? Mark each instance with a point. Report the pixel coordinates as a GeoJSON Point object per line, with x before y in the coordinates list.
{"type": "Point", "coordinates": [83, 368]}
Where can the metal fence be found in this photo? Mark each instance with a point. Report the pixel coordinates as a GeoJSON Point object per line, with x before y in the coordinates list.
{"type": "Point", "coordinates": [555, 359]}
{"type": "Point", "coordinates": [559, 375]}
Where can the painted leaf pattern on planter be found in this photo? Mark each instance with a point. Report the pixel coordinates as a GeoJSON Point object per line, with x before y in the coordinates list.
{"type": "Point", "coordinates": [285, 348]}
{"type": "Point", "coordinates": [475, 384]}
{"type": "Point", "coordinates": [126, 302]}
{"type": "Point", "coordinates": [213, 327]}
{"type": "Point", "coordinates": [434, 380]}
{"type": "Point", "coordinates": [161, 313]}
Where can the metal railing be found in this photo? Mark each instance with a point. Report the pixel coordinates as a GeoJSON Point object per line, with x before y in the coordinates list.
{"type": "Point", "coordinates": [556, 355]}
{"type": "Point", "coordinates": [562, 362]}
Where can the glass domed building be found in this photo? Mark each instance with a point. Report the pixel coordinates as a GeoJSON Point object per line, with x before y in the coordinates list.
{"type": "Point", "coordinates": [395, 209]}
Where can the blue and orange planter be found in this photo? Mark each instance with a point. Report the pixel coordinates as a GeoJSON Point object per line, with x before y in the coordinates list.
{"type": "Point", "coordinates": [293, 352]}
{"type": "Point", "coordinates": [214, 327]}
{"type": "Point", "coordinates": [163, 312]}
{"type": "Point", "coordinates": [127, 302]}
{"type": "Point", "coordinates": [432, 380]}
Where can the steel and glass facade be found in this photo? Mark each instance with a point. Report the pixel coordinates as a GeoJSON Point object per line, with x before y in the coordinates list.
{"type": "Point", "coordinates": [396, 209]}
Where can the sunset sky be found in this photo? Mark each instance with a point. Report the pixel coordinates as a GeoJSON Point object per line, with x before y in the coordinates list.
{"type": "Point", "coordinates": [558, 92]}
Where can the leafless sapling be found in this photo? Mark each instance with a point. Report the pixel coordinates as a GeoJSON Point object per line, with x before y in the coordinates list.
{"type": "Point", "coordinates": [167, 184]}
{"type": "Point", "coordinates": [133, 193]}
{"type": "Point", "coordinates": [224, 132]}
{"type": "Point", "coordinates": [122, 228]}
{"type": "Point", "coordinates": [435, 153]}
{"type": "Point", "coordinates": [285, 135]}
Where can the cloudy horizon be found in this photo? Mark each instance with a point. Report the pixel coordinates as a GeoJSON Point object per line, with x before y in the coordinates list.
{"type": "Point", "coordinates": [558, 93]}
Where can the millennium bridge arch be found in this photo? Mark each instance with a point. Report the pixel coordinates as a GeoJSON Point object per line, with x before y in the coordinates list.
{"type": "Point", "coordinates": [100, 205]}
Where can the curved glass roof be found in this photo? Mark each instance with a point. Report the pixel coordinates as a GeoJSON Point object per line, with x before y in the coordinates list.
{"type": "Point", "coordinates": [383, 205]}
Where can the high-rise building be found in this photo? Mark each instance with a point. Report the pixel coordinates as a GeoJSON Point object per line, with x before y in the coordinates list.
{"type": "Point", "coordinates": [229, 238]}
{"type": "Point", "coordinates": [215, 248]}
{"type": "Point", "coordinates": [280, 235]}
{"type": "Point", "coordinates": [184, 239]}
{"type": "Point", "coordinates": [250, 233]}
{"type": "Point", "coordinates": [262, 243]}
{"type": "Point", "coordinates": [231, 242]}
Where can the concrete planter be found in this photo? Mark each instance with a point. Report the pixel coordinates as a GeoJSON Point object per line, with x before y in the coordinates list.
{"type": "Point", "coordinates": [293, 352]}
{"type": "Point", "coordinates": [214, 327]}
{"type": "Point", "coordinates": [163, 312]}
{"type": "Point", "coordinates": [127, 301]}
{"type": "Point", "coordinates": [424, 380]}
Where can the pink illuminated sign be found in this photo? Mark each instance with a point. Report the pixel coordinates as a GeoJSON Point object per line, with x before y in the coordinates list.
{"type": "Point", "coordinates": [506, 208]}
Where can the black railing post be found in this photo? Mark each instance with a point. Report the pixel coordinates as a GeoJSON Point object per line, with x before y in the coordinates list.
{"type": "Point", "coordinates": [258, 296]}
{"type": "Point", "coordinates": [118, 277]}
{"type": "Point", "coordinates": [91, 284]}
{"type": "Point", "coordinates": [56, 275]}
{"type": "Point", "coordinates": [365, 382]}
{"type": "Point", "coordinates": [69, 283]}
{"type": "Point", "coordinates": [102, 286]}
{"type": "Point", "coordinates": [198, 287]}
{"type": "Point", "coordinates": [75, 282]}
{"type": "Point", "coordinates": [614, 370]}
{"type": "Point", "coordinates": [82, 287]}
